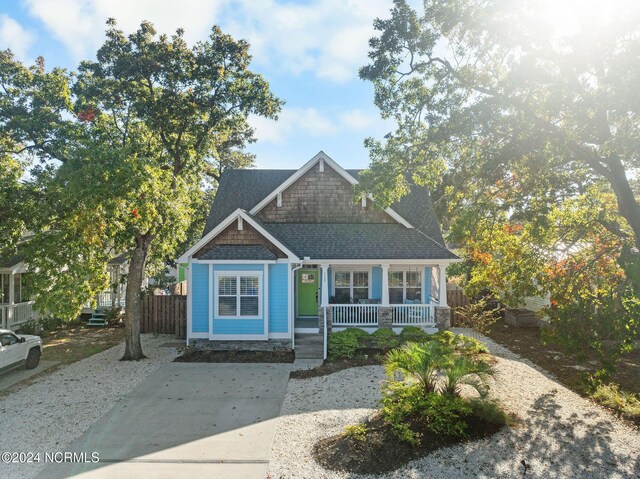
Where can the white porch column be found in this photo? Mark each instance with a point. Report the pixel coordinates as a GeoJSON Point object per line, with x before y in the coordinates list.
{"type": "Point", "coordinates": [325, 285]}
{"type": "Point", "coordinates": [443, 284]}
{"type": "Point", "coordinates": [11, 310]}
{"type": "Point", "coordinates": [385, 285]}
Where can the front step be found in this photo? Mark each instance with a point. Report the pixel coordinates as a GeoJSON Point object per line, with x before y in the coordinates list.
{"type": "Point", "coordinates": [309, 346]}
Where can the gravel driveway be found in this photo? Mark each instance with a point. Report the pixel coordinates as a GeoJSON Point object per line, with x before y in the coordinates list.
{"type": "Point", "coordinates": [561, 435]}
{"type": "Point", "coordinates": [48, 415]}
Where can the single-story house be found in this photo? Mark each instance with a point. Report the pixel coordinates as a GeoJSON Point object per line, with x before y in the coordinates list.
{"type": "Point", "coordinates": [293, 251]}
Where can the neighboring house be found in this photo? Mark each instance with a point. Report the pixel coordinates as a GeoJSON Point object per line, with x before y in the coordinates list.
{"type": "Point", "coordinates": [15, 307]}
{"type": "Point", "coordinates": [287, 251]}
{"type": "Point", "coordinates": [114, 296]}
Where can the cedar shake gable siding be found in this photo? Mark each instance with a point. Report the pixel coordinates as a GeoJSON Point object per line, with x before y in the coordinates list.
{"type": "Point", "coordinates": [321, 197]}
{"type": "Point", "coordinates": [248, 235]}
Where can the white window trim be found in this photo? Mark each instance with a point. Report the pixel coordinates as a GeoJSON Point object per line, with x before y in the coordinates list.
{"type": "Point", "coordinates": [352, 270]}
{"type": "Point", "coordinates": [404, 270]}
{"type": "Point", "coordinates": [237, 274]}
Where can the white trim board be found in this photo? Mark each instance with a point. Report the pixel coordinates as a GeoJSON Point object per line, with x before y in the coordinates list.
{"type": "Point", "coordinates": [221, 227]}
{"type": "Point", "coordinates": [326, 160]}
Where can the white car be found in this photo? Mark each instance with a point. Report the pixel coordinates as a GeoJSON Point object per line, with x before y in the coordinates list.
{"type": "Point", "coordinates": [19, 349]}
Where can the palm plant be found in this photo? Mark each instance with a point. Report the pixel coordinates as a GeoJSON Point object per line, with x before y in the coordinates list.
{"type": "Point", "coordinates": [420, 361]}
{"type": "Point", "coordinates": [464, 371]}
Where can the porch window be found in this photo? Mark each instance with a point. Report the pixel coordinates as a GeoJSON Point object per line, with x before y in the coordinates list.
{"type": "Point", "coordinates": [238, 295]}
{"type": "Point", "coordinates": [351, 285]}
{"type": "Point", "coordinates": [405, 285]}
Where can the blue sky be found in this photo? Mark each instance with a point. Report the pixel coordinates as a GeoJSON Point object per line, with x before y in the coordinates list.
{"type": "Point", "coordinates": [309, 51]}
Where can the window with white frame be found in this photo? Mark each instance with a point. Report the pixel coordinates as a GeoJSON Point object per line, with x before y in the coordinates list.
{"type": "Point", "coordinates": [351, 285]}
{"type": "Point", "coordinates": [404, 286]}
{"type": "Point", "coordinates": [238, 295]}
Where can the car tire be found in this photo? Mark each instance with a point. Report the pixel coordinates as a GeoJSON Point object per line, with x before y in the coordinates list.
{"type": "Point", "coordinates": [33, 358]}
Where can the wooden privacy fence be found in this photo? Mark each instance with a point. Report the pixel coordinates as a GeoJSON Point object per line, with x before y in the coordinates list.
{"type": "Point", "coordinates": [456, 299]}
{"type": "Point", "coordinates": [164, 315]}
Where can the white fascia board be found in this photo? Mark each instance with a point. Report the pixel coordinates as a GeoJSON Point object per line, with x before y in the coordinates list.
{"type": "Point", "coordinates": [337, 168]}
{"type": "Point", "coordinates": [226, 222]}
{"type": "Point", "coordinates": [235, 261]}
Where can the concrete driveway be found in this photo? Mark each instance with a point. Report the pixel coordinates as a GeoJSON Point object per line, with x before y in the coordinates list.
{"type": "Point", "coordinates": [187, 420]}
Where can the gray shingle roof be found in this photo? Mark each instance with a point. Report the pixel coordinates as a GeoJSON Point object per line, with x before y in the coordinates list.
{"type": "Point", "coordinates": [246, 188]}
{"type": "Point", "coordinates": [357, 241]}
{"type": "Point", "coordinates": [232, 251]}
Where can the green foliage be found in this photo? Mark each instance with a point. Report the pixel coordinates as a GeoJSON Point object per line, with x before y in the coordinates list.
{"type": "Point", "coordinates": [385, 338]}
{"type": "Point", "coordinates": [611, 396]}
{"type": "Point", "coordinates": [413, 334]}
{"type": "Point", "coordinates": [471, 346]}
{"type": "Point", "coordinates": [50, 323]}
{"type": "Point", "coordinates": [418, 361]}
{"type": "Point", "coordinates": [30, 327]}
{"type": "Point", "coordinates": [462, 370]}
{"type": "Point", "coordinates": [356, 431]}
{"type": "Point", "coordinates": [343, 344]}
{"type": "Point", "coordinates": [488, 412]}
{"type": "Point", "coordinates": [132, 137]}
{"type": "Point", "coordinates": [478, 316]}
{"type": "Point", "coordinates": [410, 411]}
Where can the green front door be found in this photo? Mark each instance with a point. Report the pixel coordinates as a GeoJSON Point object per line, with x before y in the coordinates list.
{"type": "Point", "coordinates": [307, 292]}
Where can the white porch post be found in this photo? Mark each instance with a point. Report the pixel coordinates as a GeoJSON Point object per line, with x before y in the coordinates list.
{"type": "Point", "coordinates": [10, 311]}
{"type": "Point", "coordinates": [385, 285]}
{"type": "Point", "coordinates": [443, 285]}
{"type": "Point", "coordinates": [325, 285]}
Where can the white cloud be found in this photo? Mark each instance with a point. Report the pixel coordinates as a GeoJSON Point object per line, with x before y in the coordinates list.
{"type": "Point", "coordinates": [291, 121]}
{"type": "Point", "coordinates": [80, 24]}
{"type": "Point", "coordinates": [15, 37]}
{"type": "Point", "coordinates": [359, 120]}
{"type": "Point", "coordinates": [325, 37]}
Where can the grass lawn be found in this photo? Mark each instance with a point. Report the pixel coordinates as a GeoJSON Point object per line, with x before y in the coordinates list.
{"type": "Point", "coordinates": [78, 342]}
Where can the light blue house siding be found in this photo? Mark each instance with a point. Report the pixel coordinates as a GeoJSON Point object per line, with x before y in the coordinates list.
{"type": "Point", "coordinates": [200, 298]}
{"type": "Point", "coordinates": [276, 302]}
{"type": "Point", "coordinates": [278, 298]}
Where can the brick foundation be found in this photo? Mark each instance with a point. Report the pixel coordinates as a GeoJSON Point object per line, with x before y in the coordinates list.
{"type": "Point", "coordinates": [270, 345]}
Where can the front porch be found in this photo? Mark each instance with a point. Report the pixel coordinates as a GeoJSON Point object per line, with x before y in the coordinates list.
{"type": "Point", "coordinates": [370, 295]}
{"type": "Point", "coordinates": [15, 307]}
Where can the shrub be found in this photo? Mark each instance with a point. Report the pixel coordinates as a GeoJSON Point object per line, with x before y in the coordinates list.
{"type": "Point", "coordinates": [446, 338]}
{"type": "Point", "coordinates": [464, 371]}
{"type": "Point", "coordinates": [356, 431]}
{"type": "Point", "coordinates": [343, 344]}
{"type": "Point", "coordinates": [471, 346]}
{"type": "Point", "coordinates": [411, 413]}
{"type": "Point", "coordinates": [420, 362]}
{"type": "Point", "coordinates": [385, 338]}
{"type": "Point", "coordinates": [488, 412]}
{"type": "Point", "coordinates": [50, 323]}
{"type": "Point", "coordinates": [609, 395]}
{"type": "Point", "coordinates": [30, 327]}
{"type": "Point", "coordinates": [413, 334]}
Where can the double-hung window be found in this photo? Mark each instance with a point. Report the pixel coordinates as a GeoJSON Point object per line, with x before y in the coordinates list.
{"type": "Point", "coordinates": [405, 285]}
{"type": "Point", "coordinates": [239, 295]}
{"type": "Point", "coordinates": [351, 285]}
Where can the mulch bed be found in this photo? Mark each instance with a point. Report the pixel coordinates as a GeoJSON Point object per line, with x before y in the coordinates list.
{"type": "Point", "coordinates": [211, 356]}
{"type": "Point", "coordinates": [381, 451]}
{"type": "Point", "coordinates": [363, 357]}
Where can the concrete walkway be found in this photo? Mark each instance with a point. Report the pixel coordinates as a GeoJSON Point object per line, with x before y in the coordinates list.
{"type": "Point", "coordinates": [188, 420]}
{"type": "Point", "coordinates": [16, 376]}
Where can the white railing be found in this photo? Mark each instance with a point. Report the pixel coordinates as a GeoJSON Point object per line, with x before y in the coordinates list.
{"type": "Point", "coordinates": [413, 315]}
{"type": "Point", "coordinates": [109, 299]}
{"type": "Point", "coordinates": [13, 315]}
{"type": "Point", "coordinates": [354, 314]}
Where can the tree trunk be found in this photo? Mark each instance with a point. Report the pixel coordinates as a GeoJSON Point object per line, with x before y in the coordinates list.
{"type": "Point", "coordinates": [133, 304]}
{"type": "Point", "coordinates": [627, 205]}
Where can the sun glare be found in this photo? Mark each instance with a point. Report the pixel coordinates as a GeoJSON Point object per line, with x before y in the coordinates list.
{"type": "Point", "coordinates": [568, 17]}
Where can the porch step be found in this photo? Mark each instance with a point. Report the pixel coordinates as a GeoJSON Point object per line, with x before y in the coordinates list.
{"type": "Point", "coordinates": [309, 346]}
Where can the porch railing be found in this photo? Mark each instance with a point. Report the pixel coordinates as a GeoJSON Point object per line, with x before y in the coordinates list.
{"type": "Point", "coordinates": [355, 314]}
{"type": "Point", "coordinates": [109, 299]}
{"type": "Point", "coordinates": [13, 315]}
{"type": "Point", "coordinates": [413, 315]}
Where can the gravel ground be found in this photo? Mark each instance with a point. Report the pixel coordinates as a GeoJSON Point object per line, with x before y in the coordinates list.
{"type": "Point", "coordinates": [51, 413]}
{"type": "Point", "coordinates": [561, 435]}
